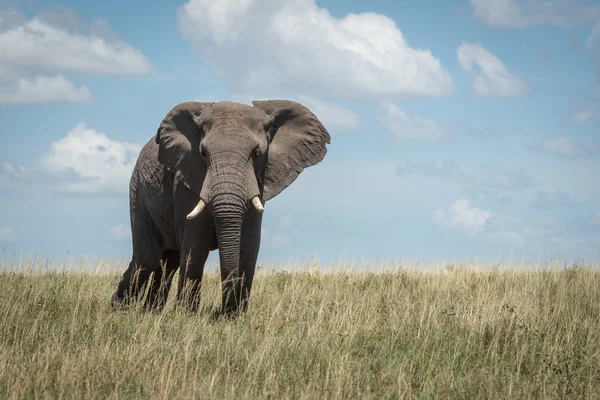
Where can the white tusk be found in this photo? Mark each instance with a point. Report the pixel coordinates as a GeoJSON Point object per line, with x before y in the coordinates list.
{"type": "Point", "coordinates": [196, 210]}
{"type": "Point", "coordinates": [257, 204]}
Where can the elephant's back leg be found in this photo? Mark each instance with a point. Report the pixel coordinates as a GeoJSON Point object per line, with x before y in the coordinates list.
{"type": "Point", "coordinates": [147, 252]}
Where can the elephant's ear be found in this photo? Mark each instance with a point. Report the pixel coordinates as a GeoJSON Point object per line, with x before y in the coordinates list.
{"type": "Point", "coordinates": [178, 139]}
{"type": "Point", "coordinates": [299, 142]}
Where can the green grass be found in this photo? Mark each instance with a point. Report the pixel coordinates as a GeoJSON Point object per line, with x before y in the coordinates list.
{"type": "Point", "coordinates": [449, 333]}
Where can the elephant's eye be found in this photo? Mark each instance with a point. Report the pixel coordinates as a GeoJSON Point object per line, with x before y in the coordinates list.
{"type": "Point", "coordinates": [203, 151]}
{"type": "Point", "coordinates": [257, 152]}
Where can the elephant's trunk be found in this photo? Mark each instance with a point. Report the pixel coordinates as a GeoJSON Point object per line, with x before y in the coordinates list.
{"type": "Point", "coordinates": [229, 206]}
{"type": "Point", "coordinates": [233, 184]}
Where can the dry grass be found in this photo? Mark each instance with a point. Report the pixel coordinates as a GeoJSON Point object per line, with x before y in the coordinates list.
{"type": "Point", "coordinates": [449, 333]}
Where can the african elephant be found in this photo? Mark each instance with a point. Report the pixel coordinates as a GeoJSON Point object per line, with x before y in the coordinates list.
{"type": "Point", "coordinates": [200, 184]}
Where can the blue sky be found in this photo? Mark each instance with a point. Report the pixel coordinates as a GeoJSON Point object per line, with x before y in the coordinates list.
{"type": "Point", "coordinates": [459, 129]}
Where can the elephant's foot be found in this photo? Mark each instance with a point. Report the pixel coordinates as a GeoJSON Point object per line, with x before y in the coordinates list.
{"type": "Point", "coordinates": [228, 315]}
{"type": "Point", "coordinates": [120, 301]}
{"type": "Point", "coordinates": [232, 311]}
{"type": "Point", "coordinates": [117, 301]}
{"type": "Point", "coordinates": [188, 305]}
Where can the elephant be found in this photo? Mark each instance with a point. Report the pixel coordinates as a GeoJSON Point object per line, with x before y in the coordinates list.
{"type": "Point", "coordinates": [200, 184]}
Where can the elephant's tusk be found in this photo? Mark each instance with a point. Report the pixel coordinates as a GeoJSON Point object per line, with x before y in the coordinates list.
{"type": "Point", "coordinates": [257, 204]}
{"type": "Point", "coordinates": [196, 210]}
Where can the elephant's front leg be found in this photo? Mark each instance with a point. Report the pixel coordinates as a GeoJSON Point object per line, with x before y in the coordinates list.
{"type": "Point", "coordinates": [161, 281]}
{"type": "Point", "coordinates": [191, 269]}
{"type": "Point", "coordinates": [132, 284]}
{"type": "Point", "coordinates": [250, 245]}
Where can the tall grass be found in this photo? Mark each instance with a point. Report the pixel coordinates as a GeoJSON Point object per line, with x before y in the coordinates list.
{"type": "Point", "coordinates": [445, 333]}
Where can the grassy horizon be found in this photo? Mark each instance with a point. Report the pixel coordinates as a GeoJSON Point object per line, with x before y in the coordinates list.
{"type": "Point", "coordinates": [451, 332]}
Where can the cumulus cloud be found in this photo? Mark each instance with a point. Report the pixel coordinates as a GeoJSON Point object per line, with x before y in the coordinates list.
{"type": "Point", "coordinates": [332, 115]}
{"type": "Point", "coordinates": [17, 178]}
{"type": "Point", "coordinates": [43, 89]}
{"type": "Point", "coordinates": [36, 53]}
{"type": "Point", "coordinates": [404, 126]}
{"type": "Point", "coordinates": [494, 80]}
{"type": "Point", "coordinates": [537, 230]}
{"type": "Point", "coordinates": [583, 115]}
{"type": "Point", "coordinates": [7, 234]}
{"type": "Point", "coordinates": [482, 225]}
{"type": "Point", "coordinates": [37, 44]}
{"type": "Point", "coordinates": [98, 163]}
{"type": "Point", "coordinates": [9, 168]}
{"type": "Point", "coordinates": [462, 216]}
{"type": "Point", "coordinates": [297, 46]}
{"type": "Point", "coordinates": [514, 14]}
{"type": "Point", "coordinates": [120, 232]}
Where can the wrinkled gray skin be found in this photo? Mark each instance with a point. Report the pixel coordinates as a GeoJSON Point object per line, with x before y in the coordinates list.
{"type": "Point", "coordinates": [225, 154]}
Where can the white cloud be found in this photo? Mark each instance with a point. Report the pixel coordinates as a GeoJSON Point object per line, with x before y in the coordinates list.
{"type": "Point", "coordinates": [552, 200]}
{"type": "Point", "coordinates": [299, 46]}
{"type": "Point", "coordinates": [462, 216]}
{"type": "Point", "coordinates": [39, 45]}
{"type": "Point", "coordinates": [286, 221]}
{"type": "Point", "coordinates": [594, 43]}
{"type": "Point", "coordinates": [7, 234]}
{"type": "Point", "coordinates": [11, 177]}
{"type": "Point", "coordinates": [35, 53]}
{"type": "Point", "coordinates": [9, 168]}
{"type": "Point", "coordinates": [499, 13]}
{"type": "Point", "coordinates": [583, 115]}
{"type": "Point", "coordinates": [332, 116]}
{"type": "Point", "coordinates": [589, 108]}
{"type": "Point", "coordinates": [270, 239]}
{"type": "Point", "coordinates": [560, 146]}
{"type": "Point", "coordinates": [121, 231]}
{"type": "Point", "coordinates": [578, 230]}
{"type": "Point", "coordinates": [514, 14]}
{"type": "Point", "coordinates": [537, 230]}
{"type": "Point", "coordinates": [43, 89]}
{"type": "Point", "coordinates": [494, 80]}
{"type": "Point", "coordinates": [563, 147]}
{"type": "Point", "coordinates": [486, 179]}
{"type": "Point", "coordinates": [406, 127]}
{"type": "Point", "coordinates": [99, 163]}
{"type": "Point", "coordinates": [594, 38]}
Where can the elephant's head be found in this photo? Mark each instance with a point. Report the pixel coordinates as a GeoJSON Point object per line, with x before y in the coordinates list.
{"type": "Point", "coordinates": [236, 157]}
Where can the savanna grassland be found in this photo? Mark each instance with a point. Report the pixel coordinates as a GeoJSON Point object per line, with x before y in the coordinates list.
{"type": "Point", "coordinates": [451, 332]}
